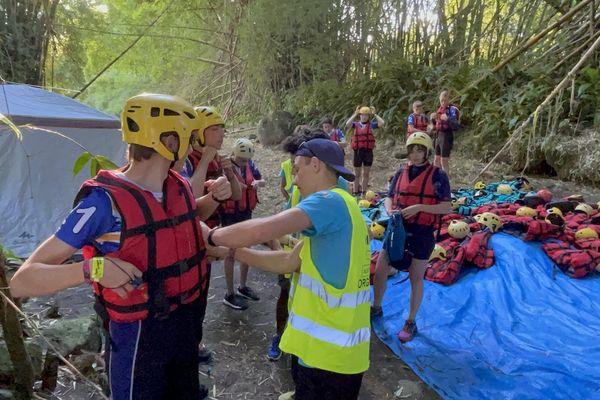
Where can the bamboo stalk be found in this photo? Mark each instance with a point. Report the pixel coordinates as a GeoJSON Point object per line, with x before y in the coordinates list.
{"type": "Point", "coordinates": [519, 131]}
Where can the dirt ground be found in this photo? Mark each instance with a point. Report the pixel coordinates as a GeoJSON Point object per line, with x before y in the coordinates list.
{"type": "Point", "coordinates": [239, 339]}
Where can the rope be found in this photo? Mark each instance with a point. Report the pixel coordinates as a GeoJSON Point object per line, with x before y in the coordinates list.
{"type": "Point", "coordinates": [52, 347]}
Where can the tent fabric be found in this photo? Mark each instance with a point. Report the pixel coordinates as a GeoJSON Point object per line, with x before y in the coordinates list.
{"type": "Point", "coordinates": [25, 104]}
{"type": "Point", "coordinates": [518, 330]}
{"type": "Point", "coordinates": [36, 176]}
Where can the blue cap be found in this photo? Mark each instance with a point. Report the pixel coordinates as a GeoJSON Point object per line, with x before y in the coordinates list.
{"type": "Point", "coordinates": [329, 152]}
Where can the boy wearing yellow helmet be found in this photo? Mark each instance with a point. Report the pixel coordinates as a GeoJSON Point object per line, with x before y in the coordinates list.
{"type": "Point", "coordinates": [152, 306]}
{"type": "Point", "coordinates": [421, 193]}
{"type": "Point", "coordinates": [363, 143]}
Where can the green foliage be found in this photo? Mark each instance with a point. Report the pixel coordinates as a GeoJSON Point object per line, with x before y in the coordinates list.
{"type": "Point", "coordinates": [97, 162]}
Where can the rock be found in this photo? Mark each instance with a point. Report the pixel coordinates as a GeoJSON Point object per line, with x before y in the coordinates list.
{"type": "Point", "coordinates": [389, 143]}
{"type": "Point", "coordinates": [6, 394]}
{"type": "Point", "coordinates": [275, 127]}
{"type": "Point", "coordinates": [574, 157]}
{"type": "Point", "coordinates": [6, 369]}
{"type": "Point", "coordinates": [252, 136]}
{"type": "Point", "coordinates": [73, 335]}
{"type": "Point", "coordinates": [408, 390]}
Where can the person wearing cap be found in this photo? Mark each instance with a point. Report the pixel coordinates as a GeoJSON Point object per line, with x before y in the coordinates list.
{"type": "Point", "coordinates": [328, 329]}
{"type": "Point", "coordinates": [363, 143]}
{"type": "Point", "coordinates": [421, 193]}
{"type": "Point", "coordinates": [417, 120]}
{"type": "Point", "coordinates": [150, 279]}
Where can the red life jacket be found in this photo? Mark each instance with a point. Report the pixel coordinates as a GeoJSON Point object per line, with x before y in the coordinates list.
{"type": "Point", "coordinates": [540, 230]}
{"type": "Point", "coordinates": [163, 241]}
{"type": "Point", "coordinates": [419, 125]}
{"type": "Point", "coordinates": [444, 126]}
{"type": "Point", "coordinates": [214, 171]}
{"type": "Point", "coordinates": [478, 252]}
{"type": "Point", "coordinates": [249, 195]}
{"type": "Point", "coordinates": [363, 137]}
{"type": "Point", "coordinates": [446, 271]}
{"type": "Point", "coordinates": [418, 191]}
{"type": "Point", "coordinates": [573, 262]}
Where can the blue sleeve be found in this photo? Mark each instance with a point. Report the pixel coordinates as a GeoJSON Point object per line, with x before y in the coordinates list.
{"type": "Point", "coordinates": [318, 207]}
{"type": "Point", "coordinates": [453, 113]}
{"type": "Point", "coordinates": [341, 135]}
{"type": "Point", "coordinates": [354, 124]}
{"type": "Point", "coordinates": [255, 172]}
{"type": "Point", "coordinates": [188, 169]}
{"type": "Point", "coordinates": [442, 185]}
{"type": "Point", "coordinates": [392, 190]}
{"type": "Point", "coordinates": [90, 219]}
{"type": "Point", "coordinates": [374, 124]}
{"type": "Point", "coordinates": [411, 119]}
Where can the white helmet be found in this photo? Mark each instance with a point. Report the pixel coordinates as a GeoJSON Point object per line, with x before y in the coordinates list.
{"type": "Point", "coordinates": [243, 148]}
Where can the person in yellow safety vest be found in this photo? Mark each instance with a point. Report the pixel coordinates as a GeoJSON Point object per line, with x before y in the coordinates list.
{"type": "Point", "coordinates": [290, 146]}
{"type": "Point", "coordinates": [328, 330]}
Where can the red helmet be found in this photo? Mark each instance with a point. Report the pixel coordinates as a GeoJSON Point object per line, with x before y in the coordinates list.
{"type": "Point", "coordinates": [545, 194]}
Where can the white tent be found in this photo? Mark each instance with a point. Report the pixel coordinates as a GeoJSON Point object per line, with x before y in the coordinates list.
{"type": "Point", "coordinates": [37, 185]}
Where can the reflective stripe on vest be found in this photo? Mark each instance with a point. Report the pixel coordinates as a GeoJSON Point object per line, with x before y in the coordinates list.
{"type": "Point", "coordinates": [363, 137]}
{"type": "Point", "coordinates": [329, 328]}
{"type": "Point", "coordinates": [328, 334]}
{"type": "Point", "coordinates": [418, 191]}
{"type": "Point", "coordinates": [352, 300]}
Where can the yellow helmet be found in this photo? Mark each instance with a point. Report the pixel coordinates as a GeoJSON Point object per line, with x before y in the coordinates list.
{"type": "Point", "coordinates": [525, 185]}
{"type": "Point", "coordinates": [364, 110]}
{"type": "Point", "coordinates": [586, 208]}
{"type": "Point", "coordinates": [364, 204]}
{"type": "Point", "coordinates": [491, 221]}
{"type": "Point", "coordinates": [147, 116]}
{"type": "Point", "coordinates": [438, 253]}
{"type": "Point", "coordinates": [555, 210]}
{"type": "Point", "coordinates": [370, 195]}
{"type": "Point", "coordinates": [243, 148]}
{"type": "Point", "coordinates": [377, 230]}
{"type": "Point", "coordinates": [458, 229]}
{"type": "Point", "coordinates": [526, 212]}
{"type": "Point", "coordinates": [420, 138]}
{"type": "Point", "coordinates": [207, 117]}
{"type": "Point", "coordinates": [586, 233]}
{"type": "Point", "coordinates": [504, 189]}
{"type": "Point", "coordinates": [479, 185]}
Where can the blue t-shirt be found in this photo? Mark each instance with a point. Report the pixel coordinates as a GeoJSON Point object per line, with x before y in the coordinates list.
{"type": "Point", "coordinates": [411, 119]}
{"type": "Point", "coordinates": [94, 221]}
{"type": "Point", "coordinates": [358, 124]}
{"type": "Point", "coordinates": [340, 135]}
{"type": "Point", "coordinates": [330, 235]}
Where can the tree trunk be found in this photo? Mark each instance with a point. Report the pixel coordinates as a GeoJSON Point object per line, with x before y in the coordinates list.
{"type": "Point", "coordinates": [13, 334]}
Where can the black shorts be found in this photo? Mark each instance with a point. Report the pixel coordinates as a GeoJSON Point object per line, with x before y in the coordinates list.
{"type": "Point", "coordinates": [318, 384]}
{"type": "Point", "coordinates": [363, 157]}
{"type": "Point", "coordinates": [230, 219]}
{"type": "Point", "coordinates": [444, 143]}
{"type": "Point", "coordinates": [284, 282]}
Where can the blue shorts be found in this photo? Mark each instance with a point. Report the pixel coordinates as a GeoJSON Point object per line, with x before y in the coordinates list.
{"type": "Point", "coordinates": [155, 359]}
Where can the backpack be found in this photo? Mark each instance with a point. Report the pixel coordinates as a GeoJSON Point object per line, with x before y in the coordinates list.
{"type": "Point", "coordinates": [393, 243]}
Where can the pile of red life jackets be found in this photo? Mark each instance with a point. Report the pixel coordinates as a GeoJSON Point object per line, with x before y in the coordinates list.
{"type": "Point", "coordinates": [576, 258]}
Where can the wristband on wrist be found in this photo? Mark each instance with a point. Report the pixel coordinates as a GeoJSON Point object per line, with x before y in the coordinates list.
{"type": "Point", "coordinates": [212, 195]}
{"type": "Point", "coordinates": [97, 269]}
{"type": "Point", "coordinates": [209, 240]}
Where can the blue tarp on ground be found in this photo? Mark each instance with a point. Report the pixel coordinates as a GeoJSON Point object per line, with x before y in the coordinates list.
{"type": "Point", "coordinates": [519, 330]}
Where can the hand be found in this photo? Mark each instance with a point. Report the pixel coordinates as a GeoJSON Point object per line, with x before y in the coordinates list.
{"type": "Point", "coordinates": [212, 252]}
{"type": "Point", "coordinates": [208, 154]}
{"type": "Point", "coordinates": [119, 276]}
{"type": "Point", "coordinates": [357, 110]}
{"type": "Point", "coordinates": [372, 110]}
{"type": "Point", "coordinates": [444, 117]}
{"type": "Point", "coordinates": [293, 257]}
{"type": "Point", "coordinates": [412, 210]}
{"type": "Point", "coordinates": [257, 184]}
{"type": "Point", "coordinates": [220, 188]}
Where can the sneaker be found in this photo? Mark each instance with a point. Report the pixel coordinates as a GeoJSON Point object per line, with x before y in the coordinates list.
{"type": "Point", "coordinates": [376, 311]}
{"type": "Point", "coordinates": [234, 301]}
{"type": "Point", "coordinates": [274, 352]}
{"type": "Point", "coordinates": [408, 331]}
{"type": "Point", "coordinates": [248, 293]}
{"type": "Point", "coordinates": [204, 355]}
{"type": "Point", "coordinates": [287, 396]}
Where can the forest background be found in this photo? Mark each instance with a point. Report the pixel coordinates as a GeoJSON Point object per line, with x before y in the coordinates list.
{"type": "Point", "coordinates": [499, 59]}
